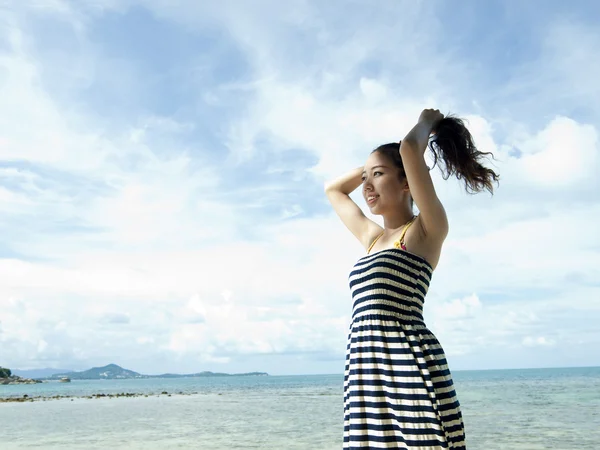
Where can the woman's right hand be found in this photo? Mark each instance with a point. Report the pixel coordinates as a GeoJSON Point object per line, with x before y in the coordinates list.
{"type": "Point", "coordinates": [430, 117]}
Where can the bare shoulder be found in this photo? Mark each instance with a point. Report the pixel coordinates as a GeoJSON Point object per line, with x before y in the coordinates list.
{"type": "Point", "coordinates": [373, 233]}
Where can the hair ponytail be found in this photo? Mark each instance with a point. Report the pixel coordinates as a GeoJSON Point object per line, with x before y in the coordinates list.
{"type": "Point", "coordinates": [453, 144]}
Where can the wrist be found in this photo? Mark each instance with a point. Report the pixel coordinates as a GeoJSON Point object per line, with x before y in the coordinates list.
{"type": "Point", "coordinates": [419, 133]}
{"type": "Point", "coordinates": [425, 126]}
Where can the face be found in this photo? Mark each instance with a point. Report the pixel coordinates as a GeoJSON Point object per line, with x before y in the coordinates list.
{"type": "Point", "coordinates": [382, 187]}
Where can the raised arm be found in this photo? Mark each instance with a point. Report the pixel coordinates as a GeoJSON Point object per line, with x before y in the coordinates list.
{"type": "Point", "coordinates": [433, 219]}
{"type": "Point", "coordinates": [338, 192]}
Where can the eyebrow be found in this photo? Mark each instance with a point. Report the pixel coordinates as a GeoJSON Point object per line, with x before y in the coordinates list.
{"type": "Point", "coordinates": [376, 167]}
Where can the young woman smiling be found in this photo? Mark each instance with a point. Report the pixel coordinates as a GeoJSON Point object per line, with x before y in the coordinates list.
{"type": "Point", "coordinates": [398, 390]}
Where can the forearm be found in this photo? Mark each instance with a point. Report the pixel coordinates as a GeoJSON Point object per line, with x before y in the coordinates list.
{"type": "Point", "coordinates": [417, 139]}
{"type": "Point", "coordinates": [346, 183]}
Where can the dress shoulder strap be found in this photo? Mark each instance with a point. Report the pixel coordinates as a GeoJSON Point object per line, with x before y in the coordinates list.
{"type": "Point", "coordinates": [374, 241]}
{"type": "Point", "coordinates": [400, 242]}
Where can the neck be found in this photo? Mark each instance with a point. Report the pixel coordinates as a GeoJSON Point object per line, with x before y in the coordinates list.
{"type": "Point", "coordinates": [392, 222]}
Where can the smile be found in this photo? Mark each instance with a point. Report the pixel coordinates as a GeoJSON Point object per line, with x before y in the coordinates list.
{"type": "Point", "coordinates": [372, 199]}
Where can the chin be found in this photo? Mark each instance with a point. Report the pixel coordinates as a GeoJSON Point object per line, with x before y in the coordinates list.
{"type": "Point", "coordinates": [374, 210]}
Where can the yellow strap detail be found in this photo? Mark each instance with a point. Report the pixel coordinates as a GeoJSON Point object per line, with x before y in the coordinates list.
{"type": "Point", "coordinates": [401, 239]}
{"type": "Point", "coordinates": [373, 243]}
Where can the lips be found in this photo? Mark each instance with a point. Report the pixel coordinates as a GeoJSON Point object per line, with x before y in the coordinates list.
{"type": "Point", "coordinates": [372, 198]}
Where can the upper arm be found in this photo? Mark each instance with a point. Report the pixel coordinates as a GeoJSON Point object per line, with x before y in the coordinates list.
{"type": "Point", "coordinates": [363, 228]}
{"type": "Point", "coordinates": [431, 211]}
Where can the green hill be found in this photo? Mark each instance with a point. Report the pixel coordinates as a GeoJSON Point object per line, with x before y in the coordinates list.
{"type": "Point", "coordinates": [115, 372]}
{"type": "Point", "coordinates": [110, 372]}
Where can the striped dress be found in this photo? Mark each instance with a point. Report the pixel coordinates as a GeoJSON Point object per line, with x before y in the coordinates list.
{"type": "Point", "coordinates": [398, 391]}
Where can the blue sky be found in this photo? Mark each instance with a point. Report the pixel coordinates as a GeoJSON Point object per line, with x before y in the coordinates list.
{"type": "Point", "coordinates": [162, 165]}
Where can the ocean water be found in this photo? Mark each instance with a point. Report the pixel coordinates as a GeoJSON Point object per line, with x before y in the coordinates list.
{"type": "Point", "coordinates": [502, 409]}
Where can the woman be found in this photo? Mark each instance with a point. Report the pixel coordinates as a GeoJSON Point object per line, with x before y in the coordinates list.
{"type": "Point", "coordinates": [398, 391]}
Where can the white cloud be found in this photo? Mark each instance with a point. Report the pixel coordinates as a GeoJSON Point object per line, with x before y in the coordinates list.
{"type": "Point", "coordinates": [373, 90]}
{"type": "Point", "coordinates": [568, 45]}
{"type": "Point", "coordinates": [459, 308]}
{"type": "Point", "coordinates": [26, 106]}
{"type": "Point", "coordinates": [537, 341]}
{"type": "Point", "coordinates": [562, 155]}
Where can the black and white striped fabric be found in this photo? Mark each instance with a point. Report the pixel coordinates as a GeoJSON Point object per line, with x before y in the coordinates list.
{"type": "Point", "coordinates": [398, 391]}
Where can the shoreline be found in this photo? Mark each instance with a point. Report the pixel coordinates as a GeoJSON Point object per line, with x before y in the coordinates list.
{"type": "Point", "coordinates": [39, 398]}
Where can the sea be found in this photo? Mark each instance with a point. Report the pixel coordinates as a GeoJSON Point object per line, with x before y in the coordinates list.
{"type": "Point", "coordinates": [502, 409]}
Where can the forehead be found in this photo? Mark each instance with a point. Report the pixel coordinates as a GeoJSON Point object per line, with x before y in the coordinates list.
{"type": "Point", "coordinates": [377, 159]}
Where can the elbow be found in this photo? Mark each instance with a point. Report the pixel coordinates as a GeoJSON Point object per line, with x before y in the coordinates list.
{"type": "Point", "coordinates": [330, 186]}
{"type": "Point", "coordinates": [438, 230]}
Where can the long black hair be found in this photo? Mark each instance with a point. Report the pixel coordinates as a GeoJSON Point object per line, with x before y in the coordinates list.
{"type": "Point", "coordinates": [454, 146]}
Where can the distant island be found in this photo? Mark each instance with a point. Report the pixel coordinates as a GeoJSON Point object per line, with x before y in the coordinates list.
{"type": "Point", "coordinates": [115, 372]}
{"type": "Point", "coordinates": [108, 372]}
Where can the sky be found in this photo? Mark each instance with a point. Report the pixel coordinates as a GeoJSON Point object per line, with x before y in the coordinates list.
{"type": "Point", "coordinates": [162, 167]}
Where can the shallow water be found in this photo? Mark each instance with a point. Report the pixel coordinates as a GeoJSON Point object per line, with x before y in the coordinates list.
{"type": "Point", "coordinates": [514, 409]}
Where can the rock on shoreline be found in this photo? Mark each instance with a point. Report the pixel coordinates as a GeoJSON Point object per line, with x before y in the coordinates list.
{"type": "Point", "coordinates": [27, 398]}
{"type": "Point", "coordinates": [18, 380]}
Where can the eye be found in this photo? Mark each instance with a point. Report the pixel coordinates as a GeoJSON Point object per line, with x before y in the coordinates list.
{"type": "Point", "coordinates": [375, 173]}
{"type": "Point", "coordinates": [363, 178]}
